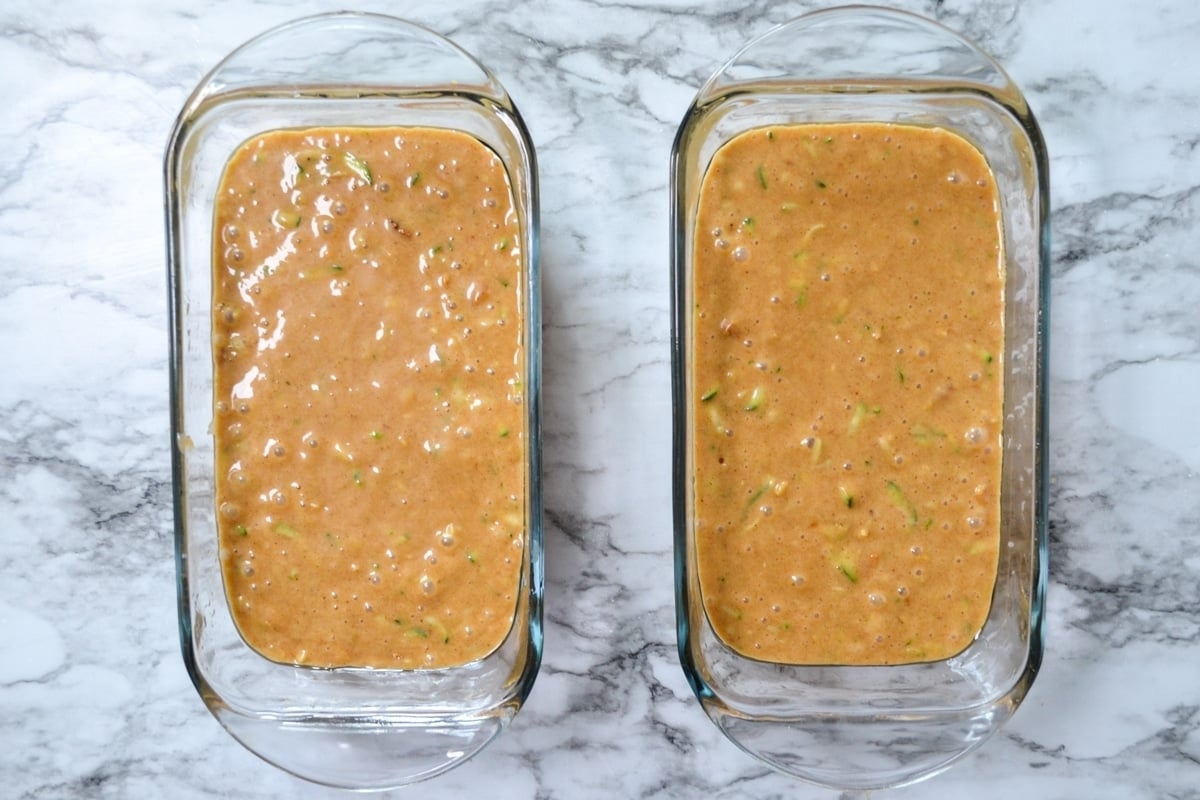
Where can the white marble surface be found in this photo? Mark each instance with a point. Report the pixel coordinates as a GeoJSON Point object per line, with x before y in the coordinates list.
{"type": "Point", "coordinates": [94, 700]}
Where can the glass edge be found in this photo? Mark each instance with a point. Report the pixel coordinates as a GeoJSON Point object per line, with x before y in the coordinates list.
{"type": "Point", "coordinates": [172, 216]}
{"type": "Point", "coordinates": [718, 85]}
{"type": "Point", "coordinates": [680, 472]}
{"type": "Point", "coordinates": [209, 90]}
{"type": "Point", "coordinates": [1041, 533]}
{"type": "Point", "coordinates": [533, 331]}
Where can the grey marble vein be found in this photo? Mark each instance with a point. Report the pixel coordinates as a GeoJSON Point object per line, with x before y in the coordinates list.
{"type": "Point", "coordinates": [94, 699]}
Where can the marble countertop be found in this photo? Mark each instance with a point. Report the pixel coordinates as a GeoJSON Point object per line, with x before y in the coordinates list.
{"type": "Point", "coordinates": [94, 698]}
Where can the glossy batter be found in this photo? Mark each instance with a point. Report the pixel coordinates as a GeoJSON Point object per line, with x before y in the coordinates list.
{"type": "Point", "coordinates": [369, 427]}
{"type": "Point", "coordinates": [847, 393]}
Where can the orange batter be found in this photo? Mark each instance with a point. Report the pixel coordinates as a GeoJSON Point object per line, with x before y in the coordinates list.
{"type": "Point", "coordinates": [847, 406]}
{"type": "Point", "coordinates": [370, 439]}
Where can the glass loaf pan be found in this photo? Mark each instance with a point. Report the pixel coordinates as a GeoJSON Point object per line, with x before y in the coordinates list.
{"type": "Point", "coordinates": [354, 728]}
{"type": "Point", "coordinates": [863, 727]}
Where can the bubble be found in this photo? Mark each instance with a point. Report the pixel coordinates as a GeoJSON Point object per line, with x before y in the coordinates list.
{"type": "Point", "coordinates": [741, 253]}
{"type": "Point", "coordinates": [797, 580]}
{"type": "Point", "coordinates": [446, 537]}
{"type": "Point", "coordinates": [902, 591]}
{"type": "Point", "coordinates": [975, 523]}
{"type": "Point", "coordinates": [875, 599]}
{"type": "Point", "coordinates": [975, 434]}
{"type": "Point", "coordinates": [229, 510]}
{"type": "Point", "coordinates": [373, 576]}
{"type": "Point", "coordinates": [427, 584]}
{"type": "Point", "coordinates": [430, 557]}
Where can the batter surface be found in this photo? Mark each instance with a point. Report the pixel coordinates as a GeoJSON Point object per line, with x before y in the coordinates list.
{"type": "Point", "coordinates": [369, 426]}
{"type": "Point", "coordinates": [847, 408]}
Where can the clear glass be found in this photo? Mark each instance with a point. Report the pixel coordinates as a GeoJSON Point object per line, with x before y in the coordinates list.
{"type": "Point", "coordinates": [865, 727]}
{"type": "Point", "coordinates": [353, 728]}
